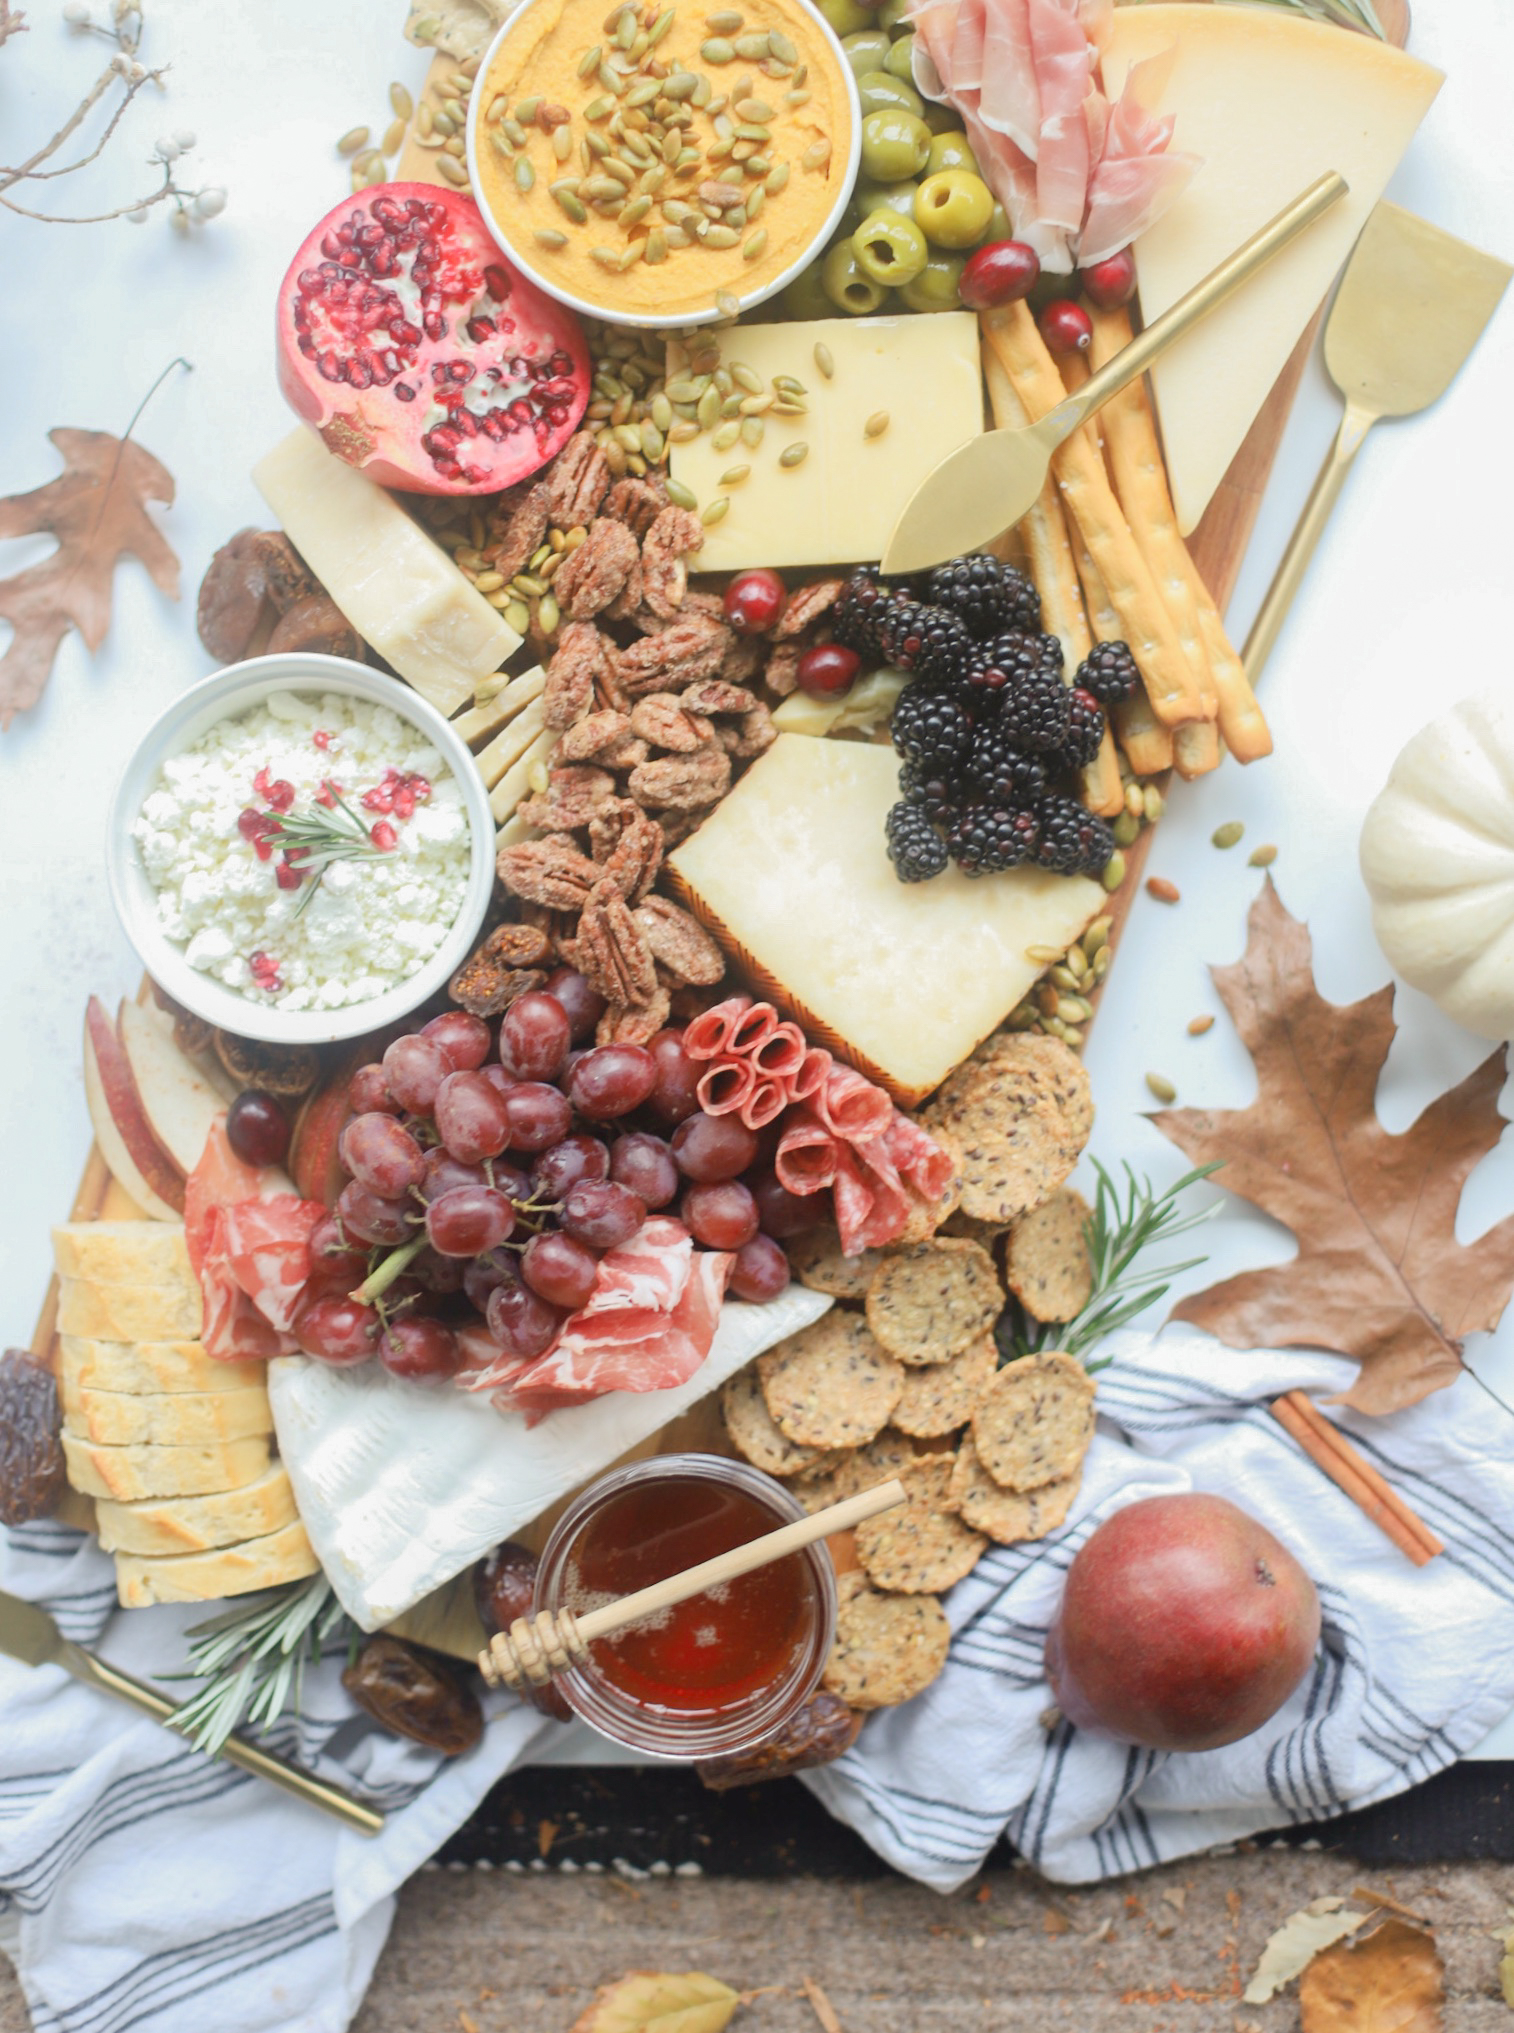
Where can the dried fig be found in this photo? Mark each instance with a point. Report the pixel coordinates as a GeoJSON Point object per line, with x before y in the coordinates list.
{"type": "Point", "coordinates": [33, 1475]}
{"type": "Point", "coordinates": [232, 594]}
{"type": "Point", "coordinates": [416, 1694]}
{"type": "Point", "coordinates": [316, 623]}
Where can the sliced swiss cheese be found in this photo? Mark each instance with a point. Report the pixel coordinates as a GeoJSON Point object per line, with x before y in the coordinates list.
{"type": "Point", "coordinates": [152, 1366]}
{"type": "Point", "coordinates": [207, 1577]}
{"type": "Point", "coordinates": [1269, 101]}
{"type": "Point", "coordinates": [177, 1419]}
{"type": "Point", "coordinates": [398, 588]}
{"type": "Point", "coordinates": [902, 979]}
{"type": "Point", "coordinates": [122, 1252]}
{"type": "Point", "coordinates": [167, 1312]}
{"type": "Point", "coordinates": [127, 1473]}
{"type": "Point", "coordinates": [158, 1526]}
{"type": "Point", "coordinates": [838, 506]}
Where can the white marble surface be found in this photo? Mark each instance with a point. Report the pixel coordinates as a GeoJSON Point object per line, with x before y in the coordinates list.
{"type": "Point", "coordinates": [1402, 611]}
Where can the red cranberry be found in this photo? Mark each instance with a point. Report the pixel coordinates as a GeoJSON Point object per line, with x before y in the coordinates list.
{"type": "Point", "coordinates": [754, 601]}
{"type": "Point", "coordinates": [1000, 273]}
{"type": "Point", "coordinates": [1066, 327]}
{"type": "Point", "coordinates": [827, 669]}
{"type": "Point", "coordinates": [1110, 282]}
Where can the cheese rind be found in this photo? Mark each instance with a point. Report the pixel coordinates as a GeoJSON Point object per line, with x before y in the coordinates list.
{"type": "Point", "coordinates": [840, 505]}
{"type": "Point", "coordinates": [127, 1473]}
{"type": "Point", "coordinates": [179, 1419]}
{"type": "Point", "coordinates": [400, 591]}
{"type": "Point", "coordinates": [902, 979]}
{"type": "Point", "coordinates": [122, 1252]}
{"type": "Point", "coordinates": [167, 1312]}
{"type": "Point", "coordinates": [152, 1366]}
{"type": "Point", "coordinates": [1269, 101]}
{"type": "Point", "coordinates": [158, 1526]}
{"type": "Point", "coordinates": [207, 1577]}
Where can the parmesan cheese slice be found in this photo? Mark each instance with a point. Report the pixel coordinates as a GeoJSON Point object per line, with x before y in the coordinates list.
{"type": "Point", "coordinates": [1269, 101]}
{"type": "Point", "coordinates": [158, 1526]}
{"type": "Point", "coordinates": [127, 1473]}
{"type": "Point", "coordinates": [152, 1366]}
{"type": "Point", "coordinates": [178, 1419]}
{"type": "Point", "coordinates": [206, 1577]}
{"type": "Point", "coordinates": [167, 1312]}
{"type": "Point", "coordinates": [122, 1252]}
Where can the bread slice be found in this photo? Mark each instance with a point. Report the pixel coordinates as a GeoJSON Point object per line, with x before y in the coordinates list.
{"type": "Point", "coordinates": [162, 1526]}
{"type": "Point", "coordinates": [122, 1252]}
{"type": "Point", "coordinates": [148, 1367]}
{"type": "Point", "coordinates": [166, 1312]}
{"type": "Point", "coordinates": [128, 1473]}
{"type": "Point", "coordinates": [121, 1419]}
{"type": "Point", "coordinates": [206, 1577]}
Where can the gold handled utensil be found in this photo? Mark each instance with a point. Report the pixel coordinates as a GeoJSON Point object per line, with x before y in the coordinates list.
{"type": "Point", "coordinates": [985, 487]}
{"type": "Point", "coordinates": [536, 1647]}
{"type": "Point", "coordinates": [29, 1634]}
{"type": "Point", "coordinates": [1411, 306]}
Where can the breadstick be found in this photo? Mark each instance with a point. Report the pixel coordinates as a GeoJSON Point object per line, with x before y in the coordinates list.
{"type": "Point", "coordinates": [1146, 742]}
{"type": "Point", "coordinates": [1135, 455]}
{"type": "Point", "coordinates": [1176, 694]}
{"type": "Point", "coordinates": [1048, 551]}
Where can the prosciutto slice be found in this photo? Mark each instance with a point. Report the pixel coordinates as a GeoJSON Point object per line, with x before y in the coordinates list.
{"type": "Point", "coordinates": [1138, 173]}
{"type": "Point", "coordinates": [1009, 99]}
{"type": "Point", "coordinates": [1061, 55]}
{"type": "Point", "coordinates": [248, 1239]}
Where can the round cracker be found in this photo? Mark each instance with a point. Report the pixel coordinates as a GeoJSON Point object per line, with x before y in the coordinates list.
{"type": "Point", "coordinates": [817, 1262]}
{"type": "Point", "coordinates": [752, 1432]}
{"type": "Point", "coordinates": [888, 1648]}
{"type": "Point", "coordinates": [1033, 1424]}
{"type": "Point", "coordinates": [838, 1476]}
{"type": "Point", "coordinates": [925, 1217]}
{"type": "Point", "coordinates": [830, 1385]}
{"type": "Point", "coordinates": [933, 1299]}
{"type": "Point", "coordinates": [1020, 1114]}
{"type": "Point", "coordinates": [1046, 1260]}
{"type": "Point", "coordinates": [920, 1547]}
{"type": "Point", "coordinates": [1008, 1516]}
{"type": "Point", "coordinates": [940, 1399]}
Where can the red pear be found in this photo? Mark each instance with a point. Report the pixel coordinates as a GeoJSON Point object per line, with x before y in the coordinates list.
{"type": "Point", "coordinates": [1184, 1625]}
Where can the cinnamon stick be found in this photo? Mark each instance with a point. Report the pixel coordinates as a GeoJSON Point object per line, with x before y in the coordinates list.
{"type": "Point", "coordinates": [1329, 1450]}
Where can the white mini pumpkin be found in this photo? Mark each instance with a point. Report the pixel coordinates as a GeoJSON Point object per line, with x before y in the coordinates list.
{"type": "Point", "coordinates": [1437, 854]}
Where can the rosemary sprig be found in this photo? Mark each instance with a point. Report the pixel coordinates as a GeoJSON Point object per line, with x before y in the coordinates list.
{"type": "Point", "coordinates": [252, 1659]}
{"type": "Point", "coordinates": [1118, 1233]}
{"type": "Point", "coordinates": [1357, 14]}
{"type": "Point", "coordinates": [319, 838]}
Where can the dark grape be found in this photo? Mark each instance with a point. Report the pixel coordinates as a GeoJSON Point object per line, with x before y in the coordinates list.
{"type": "Point", "coordinates": [419, 1348]}
{"type": "Point", "coordinates": [464, 1039]}
{"type": "Point", "coordinates": [257, 1128]}
{"type": "Point", "coordinates": [602, 1214]}
{"type": "Point", "coordinates": [485, 1274]}
{"type": "Point", "coordinates": [571, 1163]}
{"type": "Point", "coordinates": [381, 1155]}
{"type": "Point", "coordinates": [761, 1270]}
{"type": "Point", "coordinates": [584, 1005]}
{"type": "Point", "coordinates": [443, 1172]}
{"type": "Point", "coordinates": [511, 1180]}
{"type": "Point", "coordinates": [415, 1068]}
{"type": "Point", "coordinates": [498, 1079]}
{"type": "Point", "coordinates": [611, 1081]}
{"type": "Point", "coordinates": [373, 1219]}
{"type": "Point", "coordinates": [368, 1090]}
{"type": "Point", "coordinates": [338, 1331]}
{"type": "Point", "coordinates": [560, 1270]}
{"type": "Point", "coordinates": [783, 1213]}
{"type": "Point", "coordinates": [469, 1220]}
{"type": "Point", "coordinates": [538, 1115]}
{"type": "Point", "coordinates": [645, 1164]}
{"type": "Point", "coordinates": [335, 1266]}
{"type": "Point", "coordinates": [534, 1037]}
{"type": "Point", "coordinates": [520, 1321]}
{"type": "Point", "coordinates": [470, 1117]}
{"type": "Point", "coordinates": [721, 1215]}
{"type": "Point", "coordinates": [674, 1097]}
{"type": "Point", "coordinates": [712, 1147]}
{"type": "Point", "coordinates": [436, 1273]}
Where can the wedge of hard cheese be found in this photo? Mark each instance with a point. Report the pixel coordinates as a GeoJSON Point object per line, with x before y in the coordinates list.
{"type": "Point", "coordinates": [167, 1312]}
{"type": "Point", "coordinates": [151, 1471]}
{"type": "Point", "coordinates": [206, 1577]}
{"type": "Point", "coordinates": [172, 1419]}
{"type": "Point", "coordinates": [123, 1253]}
{"type": "Point", "coordinates": [158, 1526]}
{"type": "Point", "coordinates": [901, 979]}
{"type": "Point", "coordinates": [148, 1367]}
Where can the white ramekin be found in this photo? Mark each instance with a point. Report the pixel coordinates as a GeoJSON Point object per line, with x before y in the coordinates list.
{"type": "Point", "coordinates": [223, 696]}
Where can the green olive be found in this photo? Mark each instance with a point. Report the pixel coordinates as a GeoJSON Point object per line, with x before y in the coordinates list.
{"type": "Point", "coordinates": [807, 296]}
{"type": "Point", "coordinates": [900, 61]}
{"type": "Point", "coordinates": [894, 15]}
{"type": "Point", "coordinates": [935, 287]}
{"type": "Point", "coordinates": [940, 119]}
{"type": "Point", "coordinates": [950, 151]}
{"type": "Point", "coordinates": [866, 50]}
{"type": "Point", "coordinates": [846, 285]}
{"type": "Point", "coordinates": [999, 227]}
{"type": "Point", "coordinates": [879, 90]}
{"type": "Point", "coordinates": [953, 208]}
{"type": "Point", "coordinates": [870, 197]}
{"type": "Point", "coordinates": [890, 249]}
{"type": "Point", "coordinates": [894, 146]}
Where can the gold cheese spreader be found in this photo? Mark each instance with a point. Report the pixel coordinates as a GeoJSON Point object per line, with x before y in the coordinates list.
{"type": "Point", "coordinates": [985, 487]}
{"type": "Point", "coordinates": [1411, 306]}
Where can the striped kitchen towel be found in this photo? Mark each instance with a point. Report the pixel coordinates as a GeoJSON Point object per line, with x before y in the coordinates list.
{"type": "Point", "coordinates": [1415, 1665]}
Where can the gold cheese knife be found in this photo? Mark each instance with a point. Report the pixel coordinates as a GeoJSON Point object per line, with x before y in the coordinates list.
{"type": "Point", "coordinates": [29, 1634]}
{"type": "Point", "coordinates": [1411, 306]}
{"type": "Point", "coordinates": [986, 486]}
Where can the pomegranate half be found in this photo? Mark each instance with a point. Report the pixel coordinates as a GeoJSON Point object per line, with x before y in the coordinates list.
{"type": "Point", "coordinates": [419, 353]}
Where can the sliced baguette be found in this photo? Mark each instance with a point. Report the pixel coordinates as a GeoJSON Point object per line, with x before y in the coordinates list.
{"type": "Point", "coordinates": [149, 1367]}
{"type": "Point", "coordinates": [167, 1312]}
{"type": "Point", "coordinates": [163, 1526]}
{"type": "Point", "coordinates": [206, 1577]}
{"type": "Point", "coordinates": [128, 1473]}
{"type": "Point", "coordinates": [122, 1252]}
{"type": "Point", "coordinates": [180, 1419]}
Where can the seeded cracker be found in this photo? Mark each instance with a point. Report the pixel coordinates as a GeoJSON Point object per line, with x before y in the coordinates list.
{"type": "Point", "coordinates": [1046, 1262]}
{"type": "Point", "coordinates": [940, 1399]}
{"type": "Point", "coordinates": [1008, 1516]}
{"type": "Point", "coordinates": [1020, 1112]}
{"type": "Point", "coordinates": [834, 1477]}
{"type": "Point", "coordinates": [1034, 1422]}
{"type": "Point", "coordinates": [888, 1648]}
{"type": "Point", "coordinates": [817, 1261]}
{"type": "Point", "coordinates": [933, 1299]}
{"type": "Point", "coordinates": [752, 1432]}
{"type": "Point", "coordinates": [830, 1385]}
{"type": "Point", "coordinates": [920, 1547]}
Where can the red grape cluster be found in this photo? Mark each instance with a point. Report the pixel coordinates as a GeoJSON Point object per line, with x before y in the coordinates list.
{"type": "Point", "coordinates": [489, 1174]}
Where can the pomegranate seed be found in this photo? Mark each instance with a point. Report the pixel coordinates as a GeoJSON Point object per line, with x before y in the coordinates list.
{"type": "Point", "coordinates": [497, 283]}
{"type": "Point", "coordinates": [280, 795]}
{"type": "Point", "coordinates": [479, 328]}
{"type": "Point", "coordinates": [421, 787]}
{"type": "Point", "coordinates": [250, 824]}
{"type": "Point", "coordinates": [321, 738]}
{"type": "Point", "coordinates": [404, 391]}
{"type": "Point", "coordinates": [384, 836]}
{"type": "Point", "coordinates": [433, 325]}
{"type": "Point", "coordinates": [261, 781]}
{"type": "Point", "coordinates": [404, 802]}
{"type": "Point", "coordinates": [287, 877]}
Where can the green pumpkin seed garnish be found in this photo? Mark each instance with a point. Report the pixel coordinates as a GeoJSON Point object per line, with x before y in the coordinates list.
{"type": "Point", "coordinates": [716, 50]}
{"type": "Point", "coordinates": [1228, 834]}
{"type": "Point", "coordinates": [1198, 1025]}
{"type": "Point", "coordinates": [354, 139]}
{"type": "Point", "coordinates": [527, 110]}
{"type": "Point", "coordinates": [714, 512]}
{"type": "Point", "coordinates": [550, 238]}
{"type": "Point", "coordinates": [753, 430]}
{"type": "Point", "coordinates": [721, 236]}
{"type": "Point", "coordinates": [787, 385]}
{"type": "Point", "coordinates": [1161, 1087]}
{"type": "Point", "coordinates": [825, 359]}
{"type": "Point", "coordinates": [659, 28]}
{"type": "Point", "coordinates": [799, 98]}
{"type": "Point", "coordinates": [632, 214]}
{"type": "Point", "coordinates": [876, 424]}
{"type": "Point", "coordinates": [726, 436]}
{"type": "Point", "coordinates": [781, 47]}
{"type": "Point", "coordinates": [734, 475]}
{"type": "Point", "coordinates": [750, 48]}
{"type": "Point", "coordinates": [453, 108]}
{"type": "Point", "coordinates": [1114, 873]}
{"type": "Point", "coordinates": [681, 496]}
{"type": "Point", "coordinates": [657, 247]}
{"type": "Point", "coordinates": [400, 102]}
{"type": "Point", "coordinates": [548, 615]}
{"type": "Point", "coordinates": [605, 256]}
{"type": "Point", "coordinates": [794, 455]}
{"type": "Point", "coordinates": [776, 178]}
{"type": "Point", "coordinates": [572, 204]}
{"type": "Point", "coordinates": [729, 306]}
{"type": "Point", "coordinates": [817, 155]}
{"type": "Point", "coordinates": [441, 123]}
{"type": "Point", "coordinates": [452, 170]}
{"type": "Point", "coordinates": [708, 413]}
{"type": "Point", "coordinates": [1262, 857]}
{"type": "Point", "coordinates": [753, 109]}
{"type": "Point", "coordinates": [1126, 830]}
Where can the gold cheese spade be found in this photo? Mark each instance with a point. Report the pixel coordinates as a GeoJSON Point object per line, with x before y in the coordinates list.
{"type": "Point", "coordinates": [1411, 306]}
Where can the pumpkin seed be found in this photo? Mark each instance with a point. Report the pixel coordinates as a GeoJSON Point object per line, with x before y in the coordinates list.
{"type": "Point", "coordinates": [799, 98]}
{"type": "Point", "coordinates": [515, 132]}
{"type": "Point", "coordinates": [1114, 873]}
{"type": "Point", "coordinates": [1161, 1087]}
{"type": "Point", "coordinates": [518, 615]}
{"type": "Point", "coordinates": [776, 178]}
{"type": "Point", "coordinates": [750, 48]}
{"type": "Point", "coordinates": [452, 170]}
{"type": "Point", "coordinates": [1126, 830]}
{"type": "Point", "coordinates": [1072, 1009]}
{"type": "Point", "coordinates": [1097, 936]}
{"type": "Point", "coordinates": [533, 588]}
{"type": "Point", "coordinates": [453, 108]}
{"type": "Point", "coordinates": [657, 247]}
{"type": "Point", "coordinates": [443, 123]}
{"type": "Point", "coordinates": [816, 156]}
{"type": "Point", "coordinates": [716, 50]}
{"type": "Point", "coordinates": [825, 359]}
{"type": "Point", "coordinates": [354, 139]}
{"type": "Point", "coordinates": [708, 412]}
{"type": "Point", "coordinates": [788, 386]}
{"type": "Point", "coordinates": [681, 496]}
{"type": "Point", "coordinates": [756, 246]}
{"type": "Point", "coordinates": [497, 142]}
{"type": "Point", "coordinates": [401, 103]}
{"type": "Point", "coordinates": [498, 107]}
{"type": "Point", "coordinates": [615, 457]}
{"type": "Point", "coordinates": [1228, 834]}
{"type": "Point", "coordinates": [597, 108]}
{"type": "Point", "coordinates": [642, 95]}
{"type": "Point", "coordinates": [1153, 804]}
{"type": "Point", "coordinates": [562, 142]}
{"type": "Point", "coordinates": [452, 146]}
{"type": "Point", "coordinates": [394, 136]}
{"type": "Point", "coordinates": [572, 204]}
{"type": "Point", "coordinates": [659, 28]}
{"type": "Point", "coordinates": [781, 47]}
{"type": "Point", "coordinates": [1198, 1025]}
{"type": "Point", "coordinates": [550, 238]}
{"type": "Point", "coordinates": [726, 22]}
{"type": "Point", "coordinates": [1262, 857]}
{"type": "Point", "coordinates": [1043, 956]}
{"type": "Point", "coordinates": [755, 203]}
{"type": "Point", "coordinates": [548, 615]}
{"type": "Point", "coordinates": [714, 512]}
{"type": "Point", "coordinates": [611, 81]}
{"type": "Point", "coordinates": [369, 159]}
{"type": "Point", "coordinates": [1135, 804]}
{"type": "Point", "coordinates": [734, 475]}
{"type": "Point", "coordinates": [1064, 977]}
{"type": "Point", "coordinates": [876, 424]}
{"type": "Point", "coordinates": [688, 158]}
{"type": "Point", "coordinates": [753, 109]}
{"type": "Point", "coordinates": [728, 306]}
{"type": "Point", "coordinates": [746, 377]}
{"type": "Point", "coordinates": [651, 441]}
{"type": "Point", "coordinates": [424, 121]}
{"type": "Point", "coordinates": [1102, 961]}
{"type": "Point", "coordinates": [721, 236]}
{"type": "Point", "coordinates": [605, 256]}
{"type": "Point", "coordinates": [753, 429]}
{"type": "Point", "coordinates": [1075, 963]}
{"type": "Point", "coordinates": [525, 175]}
{"type": "Point", "coordinates": [632, 214]}
{"type": "Point", "coordinates": [794, 455]}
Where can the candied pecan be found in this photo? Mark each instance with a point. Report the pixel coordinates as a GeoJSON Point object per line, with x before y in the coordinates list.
{"type": "Point", "coordinates": [572, 797]}
{"type": "Point", "coordinates": [805, 606]}
{"type": "Point", "coordinates": [586, 741]}
{"type": "Point", "coordinates": [316, 623]}
{"type": "Point", "coordinates": [612, 952]}
{"type": "Point", "coordinates": [622, 1026]}
{"type": "Point", "coordinates": [744, 659]}
{"type": "Point", "coordinates": [578, 479]}
{"type": "Point", "coordinates": [782, 674]}
{"type": "Point", "coordinates": [636, 503]}
{"type": "Point", "coordinates": [717, 695]}
{"type": "Point", "coordinates": [607, 825]}
{"type": "Point", "coordinates": [660, 719]}
{"type": "Point", "coordinates": [751, 736]}
{"type": "Point", "coordinates": [664, 553]}
{"type": "Point", "coordinates": [592, 575]}
{"type": "Point", "coordinates": [577, 663]}
{"type": "Point", "coordinates": [633, 862]}
{"type": "Point", "coordinates": [627, 602]}
{"type": "Point", "coordinates": [675, 658]}
{"type": "Point", "coordinates": [523, 530]}
{"type": "Point", "coordinates": [607, 687]}
{"type": "Point", "coordinates": [684, 782]}
{"type": "Point", "coordinates": [680, 943]}
{"type": "Point", "coordinates": [504, 966]}
{"type": "Point", "coordinates": [548, 872]}
{"type": "Point", "coordinates": [232, 594]}
{"type": "Point", "coordinates": [626, 754]}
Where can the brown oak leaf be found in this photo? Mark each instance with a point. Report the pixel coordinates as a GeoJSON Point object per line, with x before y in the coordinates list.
{"type": "Point", "coordinates": [1379, 1273]}
{"type": "Point", "coordinates": [97, 509]}
{"type": "Point", "coordinates": [1390, 1981]}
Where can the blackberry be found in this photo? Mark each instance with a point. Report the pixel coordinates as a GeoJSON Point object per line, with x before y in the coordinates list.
{"type": "Point", "coordinates": [1085, 731]}
{"type": "Point", "coordinates": [1051, 653]}
{"type": "Point", "coordinates": [936, 795]}
{"type": "Point", "coordinates": [998, 666]}
{"type": "Point", "coordinates": [1073, 840]}
{"type": "Point", "coordinates": [914, 846]}
{"type": "Point", "coordinates": [854, 618]}
{"type": "Point", "coordinates": [985, 841]}
{"type": "Point", "coordinates": [1000, 774]}
{"type": "Point", "coordinates": [1109, 673]}
{"type": "Point", "coordinates": [987, 596]}
{"type": "Point", "coordinates": [928, 641]}
{"type": "Point", "coordinates": [1037, 712]}
{"type": "Point", "coordinates": [931, 728]}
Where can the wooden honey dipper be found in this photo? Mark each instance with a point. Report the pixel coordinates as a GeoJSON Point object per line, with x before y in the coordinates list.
{"type": "Point", "coordinates": [536, 1647]}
